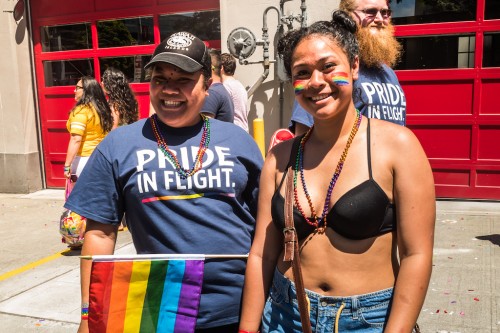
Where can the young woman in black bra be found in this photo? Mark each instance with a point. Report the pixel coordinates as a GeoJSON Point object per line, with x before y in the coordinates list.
{"type": "Point", "coordinates": [364, 204]}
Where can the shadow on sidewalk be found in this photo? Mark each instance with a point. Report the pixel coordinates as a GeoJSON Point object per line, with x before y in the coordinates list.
{"type": "Point", "coordinates": [494, 239]}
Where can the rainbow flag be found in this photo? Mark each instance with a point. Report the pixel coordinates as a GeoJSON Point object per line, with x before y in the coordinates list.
{"type": "Point", "coordinates": [145, 295]}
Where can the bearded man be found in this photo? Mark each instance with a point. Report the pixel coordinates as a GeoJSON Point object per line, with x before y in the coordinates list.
{"type": "Point", "coordinates": [377, 92]}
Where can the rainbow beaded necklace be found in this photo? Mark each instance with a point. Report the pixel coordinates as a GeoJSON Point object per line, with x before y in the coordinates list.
{"type": "Point", "coordinates": [162, 144]}
{"type": "Point", "coordinates": [320, 222]}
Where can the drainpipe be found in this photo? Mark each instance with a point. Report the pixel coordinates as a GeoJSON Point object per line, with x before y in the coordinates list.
{"type": "Point", "coordinates": [261, 79]}
{"type": "Point", "coordinates": [303, 17]}
{"type": "Point", "coordinates": [265, 43]}
{"type": "Point", "coordinates": [41, 157]}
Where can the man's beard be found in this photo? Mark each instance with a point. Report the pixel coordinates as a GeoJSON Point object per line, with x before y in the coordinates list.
{"type": "Point", "coordinates": [378, 48]}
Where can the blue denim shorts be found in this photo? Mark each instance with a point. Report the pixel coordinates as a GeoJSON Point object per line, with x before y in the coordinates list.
{"type": "Point", "coordinates": [360, 313]}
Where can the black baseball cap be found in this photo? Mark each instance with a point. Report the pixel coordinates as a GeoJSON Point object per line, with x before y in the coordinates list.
{"type": "Point", "coordinates": [183, 50]}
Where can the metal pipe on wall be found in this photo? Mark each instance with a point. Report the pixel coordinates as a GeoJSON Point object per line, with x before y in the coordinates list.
{"type": "Point", "coordinates": [265, 43]}
{"type": "Point", "coordinates": [282, 20]}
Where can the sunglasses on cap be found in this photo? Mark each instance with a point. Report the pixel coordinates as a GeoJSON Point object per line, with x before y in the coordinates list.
{"type": "Point", "coordinates": [372, 12]}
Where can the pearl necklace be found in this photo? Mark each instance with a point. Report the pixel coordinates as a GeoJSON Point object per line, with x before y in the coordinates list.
{"type": "Point", "coordinates": [162, 144]}
{"type": "Point", "coordinates": [320, 222]}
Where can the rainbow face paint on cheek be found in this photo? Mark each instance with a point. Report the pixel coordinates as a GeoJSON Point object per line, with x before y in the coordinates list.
{"type": "Point", "coordinates": [299, 86]}
{"type": "Point", "coordinates": [340, 78]}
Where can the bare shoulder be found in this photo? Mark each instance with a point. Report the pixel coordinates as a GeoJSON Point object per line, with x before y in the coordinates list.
{"type": "Point", "coordinates": [280, 154]}
{"type": "Point", "coordinates": [394, 137]}
{"type": "Point", "coordinates": [401, 149]}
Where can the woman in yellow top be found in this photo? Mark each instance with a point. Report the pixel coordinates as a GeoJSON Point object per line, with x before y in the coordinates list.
{"type": "Point", "coordinates": [89, 122]}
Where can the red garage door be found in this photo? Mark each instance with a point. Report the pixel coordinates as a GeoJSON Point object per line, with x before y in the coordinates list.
{"type": "Point", "coordinates": [450, 72]}
{"type": "Point", "coordinates": [76, 38]}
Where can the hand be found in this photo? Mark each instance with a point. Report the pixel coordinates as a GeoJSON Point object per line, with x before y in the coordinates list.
{"type": "Point", "coordinates": [67, 171]}
{"type": "Point", "coordinates": [84, 326]}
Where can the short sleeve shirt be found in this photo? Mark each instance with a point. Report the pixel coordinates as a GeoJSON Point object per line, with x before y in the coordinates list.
{"type": "Point", "coordinates": [239, 97]}
{"type": "Point", "coordinates": [219, 103]}
{"type": "Point", "coordinates": [84, 121]}
{"type": "Point", "coordinates": [211, 212]}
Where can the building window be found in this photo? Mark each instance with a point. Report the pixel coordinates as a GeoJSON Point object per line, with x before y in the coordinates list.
{"type": "Point", "coordinates": [66, 37]}
{"type": "Point", "coordinates": [435, 52]}
{"type": "Point", "coordinates": [424, 11]}
{"type": "Point", "coordinates": [204, 25]}
{"type": "Point", "coordinates": [66, 72]}
{"type": "Point", "coordinates": [466, 48]}
{"type": "Point", "coordinates": [491, 52]}
{"type": "Point", "coordinates": [132, 67]}
{"type": "Point", "coordinates": [492, 9]}
{"type": "Point", "coordinates": [125, 32]}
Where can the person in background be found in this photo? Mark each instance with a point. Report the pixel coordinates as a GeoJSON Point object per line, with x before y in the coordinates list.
{"type": "Point", "coordinates": [377, 92]}
{"type": "Point", "coordinates": [218, 103]}
{"type": "Point", "coordinates": [364, 204]}
{"type": "Point", "coordinates": [121, 98]}
{"type": "Point", "coordinates": [123, 104]}
{"type": "Point", "coordinates": [88, 123]}
{"type": "Point", "coordinates": [209, 168]}
{"type": "Point", "coordinates": [236, 90]}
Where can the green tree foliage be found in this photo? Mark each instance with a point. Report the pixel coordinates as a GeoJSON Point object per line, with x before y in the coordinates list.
{"type": "Point", "coordinates": [115, 34]}
{"type": "Point", "coordinates": [205, 25]}
{"type": "Point", "coordinates": [451, 5]}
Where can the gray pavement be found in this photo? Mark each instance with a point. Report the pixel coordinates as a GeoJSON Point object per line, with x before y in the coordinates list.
{"type": "Point", "coordinates": [39, 276]}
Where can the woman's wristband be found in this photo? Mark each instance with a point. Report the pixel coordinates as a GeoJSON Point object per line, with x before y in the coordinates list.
{"type": "Point", "coordinates": [67, 168]}
{"type": "Point", "coordinates": [85, 311]}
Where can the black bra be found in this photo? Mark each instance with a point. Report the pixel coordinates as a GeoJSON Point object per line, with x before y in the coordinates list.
{"type": "Point", "coordinates": [362, 212]}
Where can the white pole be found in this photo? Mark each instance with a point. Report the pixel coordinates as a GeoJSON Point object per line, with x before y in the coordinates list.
{"type": "Point", "coordinates": [163, 257]}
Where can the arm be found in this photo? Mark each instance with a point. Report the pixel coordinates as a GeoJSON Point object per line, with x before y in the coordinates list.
{"type": "Point", "coordinates": [263, 254]}
{"type": "Point", "coordinates": [116, 116]}
{"type": "Point", "coordinates": [73, 147]}
{"type": "Point", "coordinates": [416, 212]}
{"type": "Point", "coordinates": [99, 239]}
{"type": "Point", "coordinates": [211, 104]}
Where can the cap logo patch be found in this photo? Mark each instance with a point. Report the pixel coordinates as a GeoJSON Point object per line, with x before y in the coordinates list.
{"type": "Point", "coordinates": [179, 41]}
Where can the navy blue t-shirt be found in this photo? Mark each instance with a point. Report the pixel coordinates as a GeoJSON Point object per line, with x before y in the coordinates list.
{"type": "Point", "coordinates": [376, 94]}
{"type": "Point", "coordinates": [219, 103]}
{"type": "Point", "coordinates": [212, 212]}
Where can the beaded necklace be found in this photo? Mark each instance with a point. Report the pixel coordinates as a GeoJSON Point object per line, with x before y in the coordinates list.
{"type": "Point", "coordinates": [320, 222]}
{"type": "Point", "coordinates": [162, 144]}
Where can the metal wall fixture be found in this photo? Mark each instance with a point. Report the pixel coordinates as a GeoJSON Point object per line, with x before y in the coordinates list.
{"type": "Point", "coordinates": [18, 11]}
{"type": "Point", "coordinates": [242, 43]}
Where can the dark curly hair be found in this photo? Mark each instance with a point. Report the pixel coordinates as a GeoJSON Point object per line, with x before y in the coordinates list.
{"type": "Point", "coordinates": [121, 96]}
{"type": "Point", "coordinates": [93, 95]}
{"type": "Point", "coordinates": [341, 29]}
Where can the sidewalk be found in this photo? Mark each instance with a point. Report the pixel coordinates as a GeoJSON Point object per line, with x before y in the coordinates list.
{"type": "Point", "coordinates": [464, 292]}
{"type": "Point", "coordinates": [463, 296]}
{"type": "Point", "coordinates": [45, 295]}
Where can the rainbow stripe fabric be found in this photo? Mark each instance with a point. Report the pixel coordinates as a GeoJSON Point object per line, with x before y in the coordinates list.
{"type": "Point", "coordinates": [131, 296]}
{"type": "Point", "coordinates": [340, 78]}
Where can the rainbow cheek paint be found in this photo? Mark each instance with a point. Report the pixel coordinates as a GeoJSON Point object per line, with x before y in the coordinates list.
{"type": "Point", "coordinates": [340, 78]}
{"type": "Point", "coordinates": [299, 86]}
